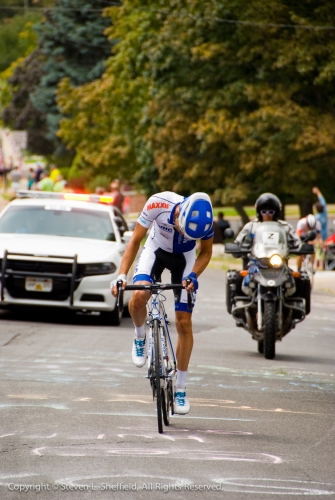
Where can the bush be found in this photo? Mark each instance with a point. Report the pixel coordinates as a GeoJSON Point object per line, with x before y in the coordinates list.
{"type": "Point", "coordinates": [99, 181]}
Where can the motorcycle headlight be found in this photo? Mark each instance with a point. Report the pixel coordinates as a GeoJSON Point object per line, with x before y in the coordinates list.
{"type": "Point", "coordinates": [99, 268]}
{"type": "Point", "coordinates": [276, 260]}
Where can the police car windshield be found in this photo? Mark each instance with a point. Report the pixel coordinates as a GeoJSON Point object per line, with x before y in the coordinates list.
{"type": "Point", "coordinates": [58, 221]}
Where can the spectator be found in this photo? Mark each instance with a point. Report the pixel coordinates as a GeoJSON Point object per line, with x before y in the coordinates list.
{"type": "Point", "coordinates": [59, 184]}
{"type": "Point", "coordinates": [322, 217]}
{"type": "Point", "coordinates": [46, 183]}
{"type": "Point", "coordinates": [15, 177]}
{"type": "Point", "coordinates": [54, 173]}
{"type": "Point", "coordinates": [117, 195]}
{"type": "Point", "coordinates": [38, 172]}
{"type": "Point", "coordinates": [222, 223]}
{"type": "Point", "coordinates": [100, 190]}
{"type": "Point", "coordinates": [30, 178]}
{"type": "Point", "coordinates": [126, 205]}
{"type": "Point", "coordinates": [217, 234]}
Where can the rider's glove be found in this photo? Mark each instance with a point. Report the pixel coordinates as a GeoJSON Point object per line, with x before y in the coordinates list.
{"type": "Point", "coordinates": [121, 277]}
{"type": "Point", "coordinates": [193, 278]}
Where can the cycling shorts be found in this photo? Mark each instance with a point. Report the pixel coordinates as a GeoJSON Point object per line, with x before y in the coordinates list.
{"type": "Point", "coordinates": [153, 262]}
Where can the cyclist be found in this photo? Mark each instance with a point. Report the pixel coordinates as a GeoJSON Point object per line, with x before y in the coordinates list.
{"type": "Point", "coordinates": [308, 223]}
{"type": "Point", "coordinates": [176, 223]}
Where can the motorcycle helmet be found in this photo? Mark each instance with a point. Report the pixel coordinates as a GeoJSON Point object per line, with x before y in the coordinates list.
{"type": "Point", "coordinates": [196, 216]}
{"type": "Point", "coordinates": [311, 221]}
{"type": "Point", "coordinates": [268, 201]}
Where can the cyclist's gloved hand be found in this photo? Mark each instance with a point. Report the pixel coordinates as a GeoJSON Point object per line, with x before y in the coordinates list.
{"type": "Point", "coordinates": [193, 278]}
{"type": "Point", "coordinates": [121, 277]}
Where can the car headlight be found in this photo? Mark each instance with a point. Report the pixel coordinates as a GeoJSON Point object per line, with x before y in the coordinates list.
{"type": "Point", "coordinates": [276, 260]}
{"type": "Point", "coordinates": [98, 268]}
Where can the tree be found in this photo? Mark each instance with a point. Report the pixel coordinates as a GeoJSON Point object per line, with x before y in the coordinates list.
{"type": "Point", "coordinates": [16, 39]}
{"type": "Point", "coordinates": [246, 106]}
{"type": "Point", "coordinates": [13, 8]}
{"type": "Point", "coordinates": [30, 41]}
{"type": "Point", "coordinates": [229, 98]}
{"type": "Point", "coordinates": [20, 114]}
{"type": "Point", "coordinates": [104, 121]}
{"type": "Point", "coordinates": [72, 39]}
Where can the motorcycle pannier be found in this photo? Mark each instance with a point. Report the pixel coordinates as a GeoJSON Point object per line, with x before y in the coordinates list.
{"type": "Point", "coordinates": [233, 287]}
{"type": "Point", "coordinates": [303, 290]}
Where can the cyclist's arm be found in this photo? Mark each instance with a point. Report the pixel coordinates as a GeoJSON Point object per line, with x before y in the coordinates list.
{"type": "Point", "coordinates": [293, 238]}
{"type": "Point", "coordinates": [132, 248]}
{"type": "Point", "coordinates": [205, 254]}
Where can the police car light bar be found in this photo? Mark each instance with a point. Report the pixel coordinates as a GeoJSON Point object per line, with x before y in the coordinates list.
{"type": "Point", "coordinates": [95, 198]}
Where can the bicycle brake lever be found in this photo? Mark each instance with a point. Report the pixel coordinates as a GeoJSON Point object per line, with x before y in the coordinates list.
{"type": "Point", "coordinates": [119, 300]}
{"type": "Point", "coordinates": [189, 295]}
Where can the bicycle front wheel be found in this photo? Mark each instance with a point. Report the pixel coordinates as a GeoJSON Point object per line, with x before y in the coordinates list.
{"type": "Point", "coordinates": [310, 271]}
{"type": "Point", "coordinates": [157, 373]}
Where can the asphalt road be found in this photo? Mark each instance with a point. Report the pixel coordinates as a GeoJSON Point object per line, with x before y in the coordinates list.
{"type": "Point", "coordinates": [77, 418]}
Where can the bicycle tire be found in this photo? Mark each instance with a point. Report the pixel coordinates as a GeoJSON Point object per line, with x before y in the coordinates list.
{"type": "Point", "coordinates": [166, 406]}
{"type": "Point", "coordinates": [270, 325]}
{"type": "Point", "coordinates": [157, 374]}
{"type": "Point", "coordinates": [165, 389]}
{"type": "Point", "coordinates": [310, 271]}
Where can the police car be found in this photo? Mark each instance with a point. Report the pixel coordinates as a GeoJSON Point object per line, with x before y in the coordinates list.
{"type": "Point", "coordinates": [61, 250]}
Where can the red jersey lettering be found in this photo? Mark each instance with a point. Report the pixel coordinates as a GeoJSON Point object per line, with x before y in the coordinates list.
{"type": "Point", "coordinates": [157, 205]}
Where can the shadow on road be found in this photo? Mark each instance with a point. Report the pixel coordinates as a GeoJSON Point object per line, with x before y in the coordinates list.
{"type": "Point", "coordinates": [55, 316]}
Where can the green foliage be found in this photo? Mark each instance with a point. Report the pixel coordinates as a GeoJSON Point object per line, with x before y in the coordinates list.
{"type": "Point", "coordinates": [106, 120]}
{"type": "Point", "coordinates": [12, 8]}
{"type": "Point", "coordinates": [72, 39]}
{"type": "Point", "coordinates": [99, 181]}
{"type": "Point", "coordinates": [232, 98]}
{"type": "Point", "coordinates": [17, 39]}
{"type": "Point", "coordinates": [20, 113]}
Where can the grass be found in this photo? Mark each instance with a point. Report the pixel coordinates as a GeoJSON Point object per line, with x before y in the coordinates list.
{"type": "Point", "coordinates": [225, 262]}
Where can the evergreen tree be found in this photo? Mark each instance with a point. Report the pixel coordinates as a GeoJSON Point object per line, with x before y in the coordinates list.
{"type": "Point", "coordinates": [20, 114]}
{"type": "Point", "coordinates": [72, 39]}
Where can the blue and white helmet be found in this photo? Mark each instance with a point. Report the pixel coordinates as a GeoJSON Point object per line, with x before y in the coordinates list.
{"type": "Point", "coordinates": [196, 216]}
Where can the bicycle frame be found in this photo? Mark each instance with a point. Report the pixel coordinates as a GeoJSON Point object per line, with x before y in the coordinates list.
{"type": "Point", "coordinates": [162, 366]}
{"type": "Point", "coordinates": [156, 310]}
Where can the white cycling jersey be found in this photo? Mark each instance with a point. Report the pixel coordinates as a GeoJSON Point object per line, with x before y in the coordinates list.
{"type": "Point", "coordinates": [158, 212]}
{"type": "Point", "coordinates": [303, 227]}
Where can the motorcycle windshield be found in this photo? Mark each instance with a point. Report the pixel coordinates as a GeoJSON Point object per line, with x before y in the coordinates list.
{"type": "Point", "coordinates": [269, 239]}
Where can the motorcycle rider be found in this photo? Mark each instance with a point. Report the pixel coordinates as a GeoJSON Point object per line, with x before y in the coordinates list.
{"type": "Point", "coordinates": [268, 208]}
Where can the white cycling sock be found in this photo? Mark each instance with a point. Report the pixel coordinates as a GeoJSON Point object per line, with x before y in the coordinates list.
{"type": "Point", "coordinates": [181, 379]}
{"type": "Point", "coordinates": [140, 331]}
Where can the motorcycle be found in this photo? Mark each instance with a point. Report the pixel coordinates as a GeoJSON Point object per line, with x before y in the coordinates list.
{"type": "Point", "coordinates": [266, 297]}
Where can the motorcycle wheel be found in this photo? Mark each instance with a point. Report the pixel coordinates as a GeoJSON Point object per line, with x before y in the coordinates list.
{"type": "Point", "coordinates": [269, 330]}
{"type": "Point", "coordinates": [261, 346]}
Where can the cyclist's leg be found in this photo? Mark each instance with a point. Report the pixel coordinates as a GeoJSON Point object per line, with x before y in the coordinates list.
{"type": "Point", "coordinates": [148, 264]}
{"type": "Point", "coordinates": [185, 334]}
{"type": "Point", "coordinates": [183, 315]}
{"type": "Point", "coordinates": [299, 262]}
{"type": "Point", "coordinates": [185, 339]}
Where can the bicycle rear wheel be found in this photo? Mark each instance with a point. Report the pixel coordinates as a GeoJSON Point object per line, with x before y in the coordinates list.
{"type": "Point", "coordinates": [157, 374]}
{"type": "Point", "coordinates": [166, 406]}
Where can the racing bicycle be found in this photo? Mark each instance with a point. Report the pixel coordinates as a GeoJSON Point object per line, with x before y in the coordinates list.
{"type": "Point", "coordinates": [162, 365]}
